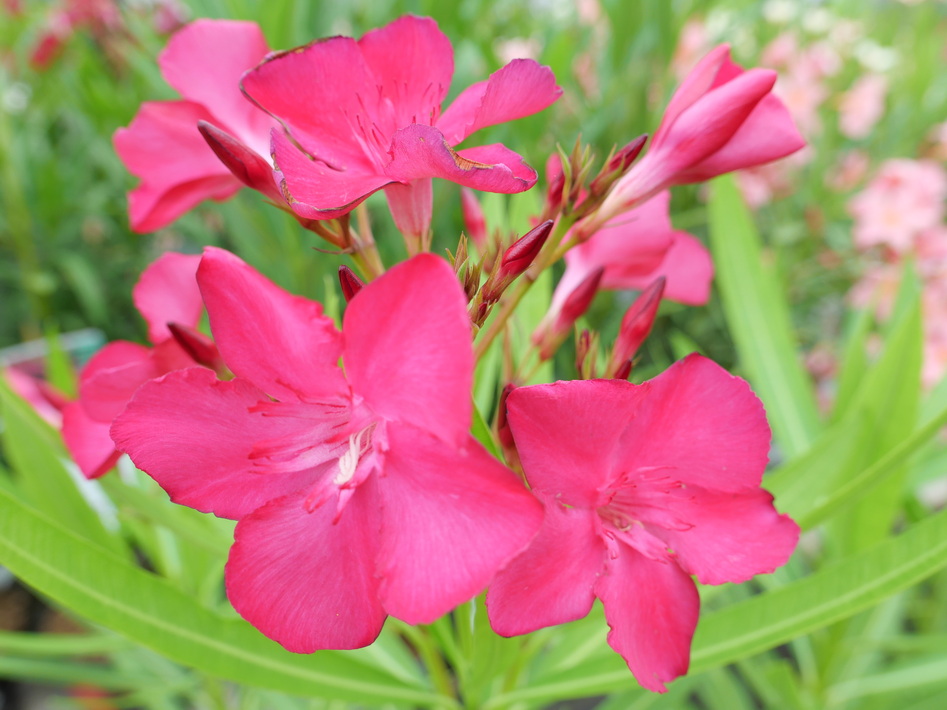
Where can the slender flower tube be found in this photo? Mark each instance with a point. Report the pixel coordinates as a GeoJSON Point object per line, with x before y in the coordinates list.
{"type": "Point", "coordinates": [358, 489]}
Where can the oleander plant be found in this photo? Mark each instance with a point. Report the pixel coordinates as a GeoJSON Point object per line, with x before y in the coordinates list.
{"type": "Point", "coordinates": [475, 355]}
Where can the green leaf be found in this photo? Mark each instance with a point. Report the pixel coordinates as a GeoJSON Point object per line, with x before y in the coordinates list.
{"type": "Point", "coordinates": [37, 456]}
{"type": "Point", "coordinates": [759, 321]}
{"type": "Point", "coordinates": [769, 619]}
{"type": "Point", "coordinates": [106, 590]}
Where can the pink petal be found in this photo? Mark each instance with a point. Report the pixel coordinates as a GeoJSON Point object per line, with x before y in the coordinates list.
{"type": "Point", "coordinates": [167, 292]}
{"type": "Point", "coordinates": [304, 580]}
{"type": "Point", "coordinates": [408, 347]}
{"type": "Point", "coordinates": [316, 191]}
{"type": "Point", "coordinates": [163, 147]}
{"type": "Point", "coordinates": [630, 246]}
{"type": "Point", "coordinates": [204, 62]}
{"type": "Point", "coordinates": [280, 342]}
{"type": "Point", "coordinates": [552, 581]}
{"type": "Point", "coordinates": [686, 265]}
{"type": "Point", "coordinates": [701, 424]}
{"type": "Point", "coordinates": [422, 152]}
{"type": "Point", "coordinates": [327, 97]}
{"type": "Point", "coordinates": [733, 536]}
{"type": "Point", "coordinates": [521, 88]}
{"type": "Point", "coordinates": [652, 609]}
{"type": "Point", "coordinates": [111, 377]}
{"type": "Point", "coordinates": [706, 126]}
{"type": "Point", "coordinates": [698, 82]}
{"type": "Point", "coordinates": [412, 62]}
{"type": "Point", "coordinates": [452, 516]}
{"type": "Point", "coordinates": [88, 441]}
{"type": "Point", "coordinates": [566, 434]}
{"type": "Point", "coordinates": [194, 435]}
{"type": "Point", "coordinates": [768, 134]}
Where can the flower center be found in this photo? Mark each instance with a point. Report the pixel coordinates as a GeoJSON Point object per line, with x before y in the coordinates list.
{"type": "Point", "coordinates": [359, 445]}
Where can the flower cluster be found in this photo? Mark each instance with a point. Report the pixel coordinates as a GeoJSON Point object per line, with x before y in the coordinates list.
{"type": "Point", "coordinates": [344, 451]}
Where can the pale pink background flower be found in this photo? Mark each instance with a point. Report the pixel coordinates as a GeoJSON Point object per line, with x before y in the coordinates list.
{"type": "Point", "coordinates": [904, 198]}
{"type": "Point", "coordinates": [863, 105]}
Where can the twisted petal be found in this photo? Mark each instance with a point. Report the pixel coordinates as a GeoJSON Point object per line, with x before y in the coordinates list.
{"type": "Point", "coordinates": [521, 88]}
{"type": "Point", "coordinates": [407, 347]}
{"type": "Point", "coordinates": [552, 581]}
{"type": "Point", "coordinates": [194, 435]}
{"type": "Point", "coordinates": [421, 151]}
{"type": "Point", "coordinates": [280, 342]}
{"type": "Point", "coordinates": [304, 580]}
{"type": "Point", "coordinates": [452, 517]}
{"type": "Point", "coordinates": [652, 609]}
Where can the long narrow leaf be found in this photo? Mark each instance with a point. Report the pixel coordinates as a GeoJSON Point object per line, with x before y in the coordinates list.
{"type": "Point", "coordinates": [759, 321]}
{"type": "Point", "coordinates": [108, 591]}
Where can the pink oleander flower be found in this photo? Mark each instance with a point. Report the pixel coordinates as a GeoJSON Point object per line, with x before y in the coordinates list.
{"type": "Point", "coordinates": [165, 294]}
{"type": "Point", "coordinates": [365, 115]}
{"type": "Point", "coordinates": [644, 486]}
{"type": "Point", "coordinates": [163, 146]}
{"type": "Point", "coordinates": [904, 199]}
{"type": "Point", "coordinates": [720, 119]}
{"type": "Point", "coordinates": [861, 107]}
{"type": "Point", "coordinates": [357, 487]}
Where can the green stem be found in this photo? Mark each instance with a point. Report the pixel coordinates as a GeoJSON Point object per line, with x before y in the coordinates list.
{"type": "Point", "coordinates": [427, 649]}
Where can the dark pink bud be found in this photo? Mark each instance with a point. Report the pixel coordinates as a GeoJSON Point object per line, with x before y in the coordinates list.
{"type": "Point", "coordinates": [475, 223]}
{"type": "Point", "coordinates": [520, 255]}
{"type": "Point", "coordinates": [201, 348]}
{"type": "Point", "coordinates": [636, 325]}
{"type": "Point", "coordinates": [623, 371]}
{"type": "Point", "coordinates": [579, 300]}
{"type": "Point", "coordinates": [617, 166]}
{"type": "Point", "coordinates": [248, 167]}
{"type": "Point", "coordinates": [350, 283]}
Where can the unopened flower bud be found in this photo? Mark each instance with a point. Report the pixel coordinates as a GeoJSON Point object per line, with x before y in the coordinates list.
{"type": "Point", "coordinates": [350, 283]}
{"type": "Point", "coordinates": [555, 326]}
{"type": "Point", "coordinates": [635, 327]}
{"type": "Point", "coordinates": [248, 167]}
{"type": "Point", "coordinates": [586, 354]}
{"type": "Point", "coordinates": [516, 260]}
{"type": "Point", "coordinates": [475, 224]}
{"type": "Point", "coordinates": [617, 166]}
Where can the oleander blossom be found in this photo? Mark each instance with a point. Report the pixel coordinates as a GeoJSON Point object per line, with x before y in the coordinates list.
{"type": "Point", "coordinates": [643, 486]}
{"type": "Point", "coordinates": [166, 294]}
{"type": "Point", "coordinates": [721, 118]}
{"type": "Point", "coordinates": [365, 115]}
{"type": "Point", "coordinates": [166, 149]}
{"type": "Point", "coordinates": [358, 489]}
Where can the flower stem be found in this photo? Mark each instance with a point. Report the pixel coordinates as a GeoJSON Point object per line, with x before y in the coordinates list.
{"type": "Point", "coordinates": [431, 657]}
